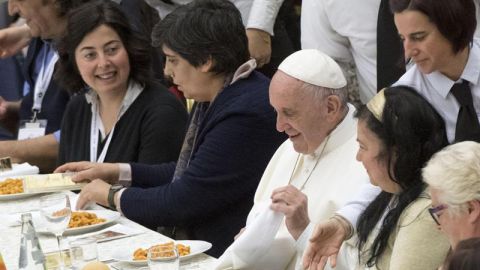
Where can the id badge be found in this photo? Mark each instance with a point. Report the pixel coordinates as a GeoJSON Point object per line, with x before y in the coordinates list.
{"type": "Point", "coordinates": [30, 130]}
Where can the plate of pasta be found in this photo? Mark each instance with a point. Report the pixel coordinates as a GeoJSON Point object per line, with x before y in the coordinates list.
{"type": "Point", "coordinates": [137, 255]}
{"type": "Point", "coordinates": [82, 221]}
{"type": "Point", "coordinates": [12, 189]}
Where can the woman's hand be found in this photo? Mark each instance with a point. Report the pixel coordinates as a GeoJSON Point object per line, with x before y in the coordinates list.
{"type": "Point", "coordinates": [95, 191]}
{"type": "Point", "coordinates": [325, 243]}
{"type": "Point", "coordinates": [87, 171]}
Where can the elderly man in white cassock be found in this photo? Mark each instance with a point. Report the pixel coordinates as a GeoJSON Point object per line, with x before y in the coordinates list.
{"type": "Point", "coordinates": [312, 175]}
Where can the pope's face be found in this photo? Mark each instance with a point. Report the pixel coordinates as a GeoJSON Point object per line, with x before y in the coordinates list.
{"type": "Point", "coordinates": [299, 115]}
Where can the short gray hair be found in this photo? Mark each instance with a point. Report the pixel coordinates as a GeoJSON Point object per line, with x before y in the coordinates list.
{"type": "Point", "coordinates": [455, 173]}
{"type": "Point", "coordinates": [319, 93]}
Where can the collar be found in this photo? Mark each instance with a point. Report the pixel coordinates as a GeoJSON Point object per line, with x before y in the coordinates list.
{"type": "Point", "coordinates": [244, 70]}
{"type": "Point", "coordinates": [471, 73]}
{"type": "Point", "coordinates": [341, 134]}
{"type": "Point", "coordinates": [133, 91]}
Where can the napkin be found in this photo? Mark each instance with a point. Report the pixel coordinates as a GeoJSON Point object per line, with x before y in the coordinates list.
{"type": "Point", "coordinates": [254, 242]}
{"type": "Point", "coordinates": [20, 169]}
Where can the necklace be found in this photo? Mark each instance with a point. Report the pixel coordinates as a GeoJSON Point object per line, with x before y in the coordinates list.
{"type": "Point", "coordinates": [312, 170]}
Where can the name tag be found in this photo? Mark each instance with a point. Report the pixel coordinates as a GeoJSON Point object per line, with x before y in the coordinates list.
{"type": "Point", "coordinates": [30, 130]}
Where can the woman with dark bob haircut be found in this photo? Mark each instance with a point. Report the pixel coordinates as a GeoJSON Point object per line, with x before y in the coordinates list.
{"type": "Point", "coordinates": [208, 193]}
{"type": "Point", "coordinates": [120, 114]}
{"type": "Point", "coordinates": [438, 38]}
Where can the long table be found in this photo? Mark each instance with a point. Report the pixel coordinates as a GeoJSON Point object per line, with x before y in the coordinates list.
{"type": "Point", "coordinates": [10, 238]}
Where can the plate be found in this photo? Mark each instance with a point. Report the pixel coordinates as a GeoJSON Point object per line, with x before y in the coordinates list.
{"type": "Point", "coordinates": [110, 216]}
{"type": "Point", "coordinates": [125, 254]}
{"type": "Point", "coordinates": [16, 196]}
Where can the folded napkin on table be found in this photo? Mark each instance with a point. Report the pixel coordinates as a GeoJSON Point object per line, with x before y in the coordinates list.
{"type": "Point", "coordinates": [19, 170]}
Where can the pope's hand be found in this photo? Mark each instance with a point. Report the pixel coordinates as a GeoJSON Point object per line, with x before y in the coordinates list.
{"type": "Point", "coordinates": [87, 171]}
{"type": "Point", "coordinates": [294, 205]}
{"type": "Point", "coordinates": [259, 46]}
{"type": "Point", "coordinates": [324, 244]}
{"type": "Point", "coordinates": [95, 191]}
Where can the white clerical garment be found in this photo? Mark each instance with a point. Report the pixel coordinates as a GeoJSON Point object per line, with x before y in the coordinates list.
{"type": "Point", "coordinates": [329, 178]}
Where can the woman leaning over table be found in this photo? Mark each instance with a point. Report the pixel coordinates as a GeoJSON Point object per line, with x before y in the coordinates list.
{"type": "Point", "coordinates": [120, 114]}
{"type": "Point", "coordinates": [209, 191]}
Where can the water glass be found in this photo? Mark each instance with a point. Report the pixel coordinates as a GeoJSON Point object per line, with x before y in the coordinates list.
{"type": "Point", "coordinates": [83, 251]}
{"type": "Point", "coordinates": [163, 259]}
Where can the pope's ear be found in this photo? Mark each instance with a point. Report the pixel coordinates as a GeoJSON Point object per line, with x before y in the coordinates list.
{"type": "Point", "coordinates": [474, 211]}
{"type": "Point", "coordinates": [334, 105]}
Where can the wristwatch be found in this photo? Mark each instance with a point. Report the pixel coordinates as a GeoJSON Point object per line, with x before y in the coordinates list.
{"type": "Point", "coordinates": [111, 195]}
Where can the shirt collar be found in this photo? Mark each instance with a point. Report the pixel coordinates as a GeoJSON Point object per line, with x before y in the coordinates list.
{"type": "Point", "coordinates": [471, 73]}
{"type": "Point", "coordinates": [133, 91]}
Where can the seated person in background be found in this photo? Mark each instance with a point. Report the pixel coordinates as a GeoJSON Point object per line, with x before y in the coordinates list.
{"type": "Point", "coordinates": [465, 256]}
{"type": "Point", "coordinates": [453, 178]}
{"type": "Point", "coordinates": [313, 173]}
{"type": "Point", "coordinates": [231, 135]}
{"type": "Point", "coordinates": [124, 116]}
{"type": "Point", "coordinates": [398, 132]}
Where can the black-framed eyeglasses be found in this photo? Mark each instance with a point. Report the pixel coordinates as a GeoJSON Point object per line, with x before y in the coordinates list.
{"type": "Point", "coordinates": [434, 212]}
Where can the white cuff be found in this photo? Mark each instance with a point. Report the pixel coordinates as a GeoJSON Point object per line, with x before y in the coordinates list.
{"type": "Point", "coordinates": [302, 241]}
{"type": "Point", "coordinates": [125, 174]}
{"type": "Point", "coordinates": [263, 14]}
{"type": "Point", "coordinates": [117, 200]}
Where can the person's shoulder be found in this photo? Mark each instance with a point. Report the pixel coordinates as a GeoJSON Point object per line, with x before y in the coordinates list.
{"type": "Point", "coordinates": [416, 210]}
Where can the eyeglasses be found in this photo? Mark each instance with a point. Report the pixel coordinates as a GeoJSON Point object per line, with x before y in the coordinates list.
{"type": "Point", "coordinates": [434, 212]}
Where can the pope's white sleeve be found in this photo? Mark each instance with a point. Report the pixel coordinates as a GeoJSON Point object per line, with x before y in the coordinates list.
{"type": "Point", "coordinates": [263, 14]}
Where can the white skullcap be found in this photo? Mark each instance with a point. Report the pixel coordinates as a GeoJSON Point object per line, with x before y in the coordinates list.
{"type": "Point", "coordinates": [314, 67]}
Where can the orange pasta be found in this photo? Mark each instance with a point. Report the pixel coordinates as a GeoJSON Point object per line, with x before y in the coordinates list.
{"type": "Point", "coordinates": [11, 186]}
{"type": "Point", "coordinates": [80, 219]}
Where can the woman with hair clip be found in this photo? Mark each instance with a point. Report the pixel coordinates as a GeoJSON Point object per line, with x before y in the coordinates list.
{"type": "Point", "coordinates": [398, 131]}
{"type": "Point", "coordinates": [123, 115]}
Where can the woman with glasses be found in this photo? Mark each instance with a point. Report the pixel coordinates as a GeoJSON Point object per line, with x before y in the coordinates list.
{"type": "Point", "coordinates": [453, 176]}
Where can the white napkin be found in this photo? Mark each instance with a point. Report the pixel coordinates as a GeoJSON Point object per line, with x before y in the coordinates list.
{"type": "Point", "coordinates": [254, 242]}
{"type": "Point", "coordinates": [19, 170]}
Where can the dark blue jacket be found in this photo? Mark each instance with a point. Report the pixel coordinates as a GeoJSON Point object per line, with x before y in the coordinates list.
{"type": "Point", "coordinates": [213, 197]}
{"type": "Point", "coordinates": [55, 100]}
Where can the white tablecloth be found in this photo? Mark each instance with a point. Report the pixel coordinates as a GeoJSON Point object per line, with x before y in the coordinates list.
{"type": "Point", "coordinates": [10, 238]}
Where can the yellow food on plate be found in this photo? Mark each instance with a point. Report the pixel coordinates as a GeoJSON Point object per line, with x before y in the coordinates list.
{"type": "Point", "coordinates": [11, 186]}
{"type": "Point", "coordinates": [141, 254]}
{"type": "Point", "coordinates": [80, 219]}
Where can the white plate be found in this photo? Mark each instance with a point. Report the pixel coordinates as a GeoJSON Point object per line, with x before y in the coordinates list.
{"type": "Point", "coordinates": [16, 196]}
{"type": "Point", "coordinates": [125, 254]}
{"type": "Point", "coordinates": [110, 216]}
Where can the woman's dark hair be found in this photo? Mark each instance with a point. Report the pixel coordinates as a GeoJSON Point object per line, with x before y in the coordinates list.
{"type": "Point", "coordinates": [411, 131]}
{"type": "Point", "coordinates": [205, 29]}
{"type": "Point", "coordinates": [84, 20]}
{"type": "Point", "coordinates": [465, 256]}
{"type": "Point", "coordinates": [455, 19]}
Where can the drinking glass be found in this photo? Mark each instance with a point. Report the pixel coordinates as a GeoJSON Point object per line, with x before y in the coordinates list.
{"type": "Point", "coordinates": [163, 259]}
{"type": "Point", "coordinates": [83, 251]}
{"type": "Point", "coordinates": [56, 211]}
